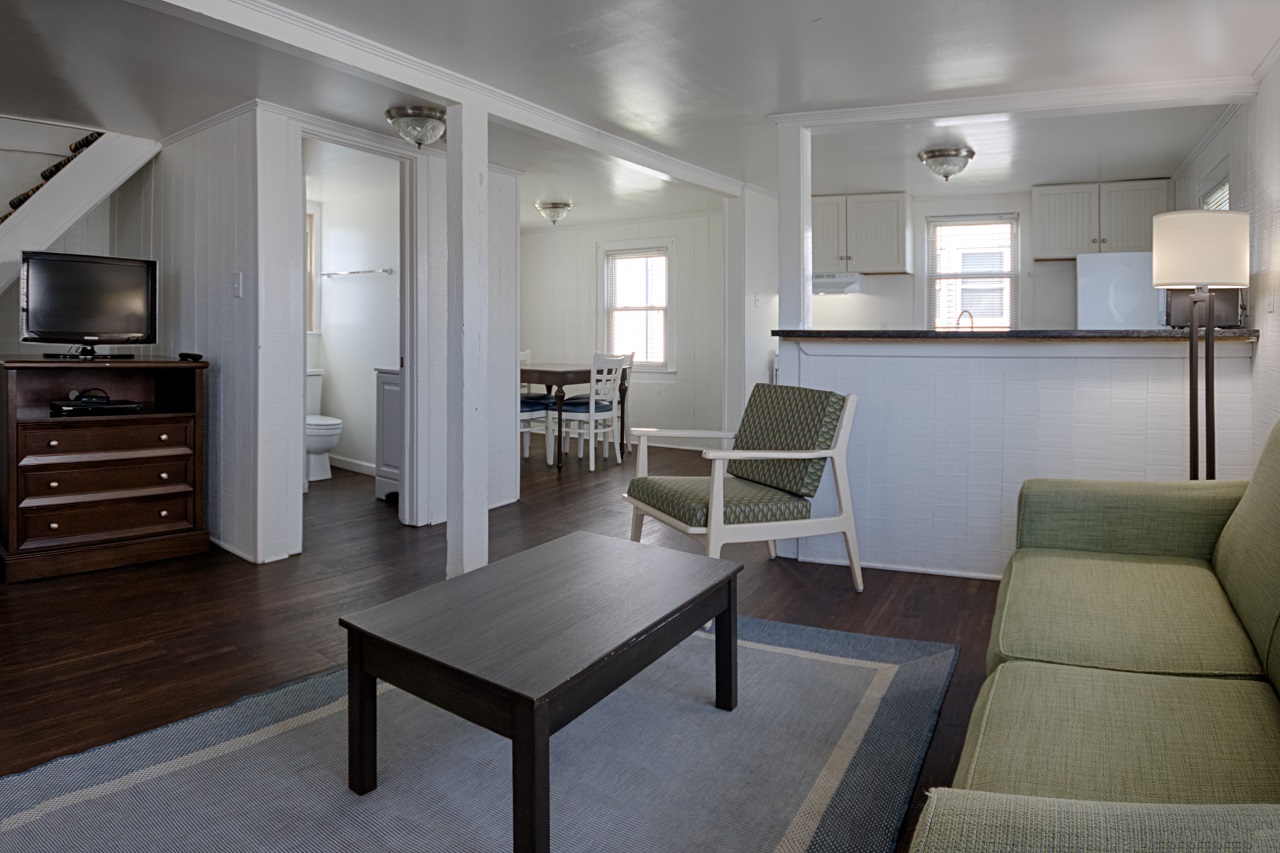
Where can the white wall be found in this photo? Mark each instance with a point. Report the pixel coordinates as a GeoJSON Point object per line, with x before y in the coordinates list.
{"type": "Point", "coordinates": [359, 314]}
{"type": "Point", "coordinates": [751, 296]}
{"type": "Point", "coordinates": [1249, 145]}
{"type": "Point", "coordinates": [559, 300]}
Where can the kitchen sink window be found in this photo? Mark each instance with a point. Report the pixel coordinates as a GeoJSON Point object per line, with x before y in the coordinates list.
{"type": "Point", "coordinates": [973, 272]}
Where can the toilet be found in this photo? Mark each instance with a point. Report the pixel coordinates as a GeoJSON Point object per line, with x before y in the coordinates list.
{"type": "Point", "coordinates": [322, 432]}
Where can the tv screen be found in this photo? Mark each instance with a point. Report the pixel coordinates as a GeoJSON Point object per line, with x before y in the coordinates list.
{"type": "Point", "coordinates": [87, 299]}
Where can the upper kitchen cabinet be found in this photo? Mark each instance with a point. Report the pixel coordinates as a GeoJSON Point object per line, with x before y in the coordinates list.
{"type": "Point", "coordinates": [1078, 219]}
{"type": "Point", "coordinates": [862, 233]}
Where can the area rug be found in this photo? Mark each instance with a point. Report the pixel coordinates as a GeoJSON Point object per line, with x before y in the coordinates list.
{"type": "Point", "coordinates": [820, 755]}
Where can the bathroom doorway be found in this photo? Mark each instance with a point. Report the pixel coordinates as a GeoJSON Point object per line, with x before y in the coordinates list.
{"type": "Point", "coordinates": [352, 306]}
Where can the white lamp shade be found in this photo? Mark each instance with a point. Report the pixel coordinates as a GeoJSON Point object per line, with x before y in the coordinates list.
{"type": "Point", "coordinates": [1194, 247]}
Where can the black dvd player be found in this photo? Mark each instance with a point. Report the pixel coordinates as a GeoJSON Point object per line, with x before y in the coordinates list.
{"type": "Point", "coordinates": [77, 408]}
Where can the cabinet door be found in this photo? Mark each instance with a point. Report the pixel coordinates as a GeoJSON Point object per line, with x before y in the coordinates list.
{"type": "Point", "coordinates": [1064, 221]}
{"type": "Point", "coordinates": [879, 233]}
{"type": "Point", "coordinates": [829, 246]}
{"type": "Point", "coordinates": [1126, 210]}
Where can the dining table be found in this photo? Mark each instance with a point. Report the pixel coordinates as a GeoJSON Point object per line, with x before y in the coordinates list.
{"type": "Point", "coordinates": [557, 375]}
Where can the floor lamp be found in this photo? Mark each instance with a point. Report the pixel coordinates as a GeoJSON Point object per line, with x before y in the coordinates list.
{"type": "Point", "coordinates": [1201, 249]}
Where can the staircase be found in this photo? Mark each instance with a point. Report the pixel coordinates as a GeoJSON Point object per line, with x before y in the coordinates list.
{"type": "Point", "coordinates": [76, 147]}
{"type": "Point", "coordinates": [98, 164]}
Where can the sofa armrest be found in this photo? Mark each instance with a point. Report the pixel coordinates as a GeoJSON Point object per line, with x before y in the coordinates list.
{"type": "Point", "coordinates": [1180, 519]}
{"type": "Point", "coordinates": [959, 821]}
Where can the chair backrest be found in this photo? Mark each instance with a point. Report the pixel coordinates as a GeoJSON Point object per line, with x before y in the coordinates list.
{"type": "Point", "coordinates": [784, 417]}
{"type": "Point", "coordinates": [606, 375]}
{"type": "Point", "coordinates": [1247, 558]}
{"type": "Point", "coordinates": [526, 357]}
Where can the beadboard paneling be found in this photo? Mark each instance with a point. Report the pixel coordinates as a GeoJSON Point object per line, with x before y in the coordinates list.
{"type": "Point", "coordinates": [1261, 198]}
{"type": "Point", "coordinates": [944, 438]}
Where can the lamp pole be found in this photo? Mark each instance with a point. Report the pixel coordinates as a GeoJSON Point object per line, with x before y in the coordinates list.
{"type": "Point", "coordinates": [1202, 296]}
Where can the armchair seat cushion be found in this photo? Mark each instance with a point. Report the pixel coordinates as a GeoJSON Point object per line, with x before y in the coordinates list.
{"type": "Point", "coordinates": [1093, 734]}
{"type": "Point", "coordinates": [1118, 611]}
{"type": "Point", "coordinates": [686, 499]}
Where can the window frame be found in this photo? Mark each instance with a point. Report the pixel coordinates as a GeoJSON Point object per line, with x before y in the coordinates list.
{"type": "Point", "coordinates": [606, 248]}
{"type": "Point", "coordinates": [1014, 274]}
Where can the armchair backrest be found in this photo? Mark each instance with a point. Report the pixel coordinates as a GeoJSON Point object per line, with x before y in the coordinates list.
{"type": "Point", "coordinates": [784, 417]}
{"type": "Point", "coordinates": [1247, 558]}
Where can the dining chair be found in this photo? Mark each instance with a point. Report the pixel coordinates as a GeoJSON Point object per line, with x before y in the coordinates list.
{"type": "Point", "coordinates": [761, 490]}
{"type": "Point", "coordinates": [596, 417]}
{"type": "Point", "coordinates": [533, 414]}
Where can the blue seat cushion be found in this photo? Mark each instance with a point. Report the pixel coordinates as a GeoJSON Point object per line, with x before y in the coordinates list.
{"type": "Point", "coordinates": [585, 406]}
{"type": "Point", "coordinates": [544, 399]}
{"type": "Point", "coordinates": [576, 397]}
{"type": "Point", "coordinates": [532, 406]}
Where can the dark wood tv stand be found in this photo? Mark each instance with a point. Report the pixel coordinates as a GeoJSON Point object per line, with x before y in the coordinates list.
{"type": "Point", "coordinates": [96, 491]}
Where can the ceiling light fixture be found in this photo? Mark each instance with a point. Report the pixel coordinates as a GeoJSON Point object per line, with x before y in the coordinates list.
{"type": "Point", "coordinates": [553, 211]}
{"type": "Point", "coordinates": [946, 162]}
{"type": "Point", "coordinates": [419, 125]}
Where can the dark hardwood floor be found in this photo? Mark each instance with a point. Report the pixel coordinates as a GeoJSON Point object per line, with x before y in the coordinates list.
{"type": "Point", "coordinates": [88, 659]}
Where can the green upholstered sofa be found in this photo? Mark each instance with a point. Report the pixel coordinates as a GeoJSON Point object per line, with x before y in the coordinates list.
{"type": "Point", "coordinates": [1131, 697]}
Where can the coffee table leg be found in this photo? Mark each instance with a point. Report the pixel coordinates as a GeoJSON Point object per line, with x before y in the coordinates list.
{"type": "Point", "coordinates": [727, 651]}
{"type": "Point", "coordinates": [531, 780]}
{"type": "Point", "coordinates": [362, 720]}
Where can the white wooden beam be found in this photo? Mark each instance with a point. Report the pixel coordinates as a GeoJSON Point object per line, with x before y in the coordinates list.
{"type": "Point", "coordinates": [795, 228]}
{"type": "Point", "coordinates": [467, 531]}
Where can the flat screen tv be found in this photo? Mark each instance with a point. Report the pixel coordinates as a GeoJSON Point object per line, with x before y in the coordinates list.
{"type": "Point", "coordinates": [87, 300]}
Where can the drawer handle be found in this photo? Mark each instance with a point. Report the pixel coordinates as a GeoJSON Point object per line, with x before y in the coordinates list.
{"type": "Point", "coordinates": [164, 476]}
{"type": "Point", "coordinates": [164, 436]}
{"type": "Point", "coordinates": [53, 484]}
{"type": "Point", "coordinates": [53, 443]}
{"type": "Point", "coordinates": [53, 525]}
{"type": "Point", "coordinates": [164, 513]}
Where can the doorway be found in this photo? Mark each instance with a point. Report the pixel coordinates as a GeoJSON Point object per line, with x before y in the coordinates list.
{"type": "Point", "coordinates": [352, 313]}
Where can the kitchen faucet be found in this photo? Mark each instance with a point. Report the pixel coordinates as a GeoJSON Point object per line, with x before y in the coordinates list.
{"type": "Point", "coordinates": [961, 314]}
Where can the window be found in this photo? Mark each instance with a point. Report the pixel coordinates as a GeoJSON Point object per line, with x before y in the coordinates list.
{"type": "Point", "coordinates": [1218, 198]}
{"type": "Point", "coordinates": [636, 302]}
{"type": "Point", "coordinates": [973, 272]}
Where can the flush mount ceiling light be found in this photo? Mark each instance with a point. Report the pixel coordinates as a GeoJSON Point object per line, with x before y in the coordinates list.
{"type": "Point", "coordinates": [553, 211]}
{"type": "Point", "coordinates": [419, 125]}
{"type": "Point", "coordinates": [946, 162]}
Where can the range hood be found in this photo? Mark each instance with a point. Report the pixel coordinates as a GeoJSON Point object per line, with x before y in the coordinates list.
{"type": "Point", "coordinates": [837, 282]}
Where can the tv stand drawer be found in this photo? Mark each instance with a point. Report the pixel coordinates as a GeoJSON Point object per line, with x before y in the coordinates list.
{"type": "Point", "coordinates": [104, 520]}
{"type": "Point", "coordinates": [41, 440]}
{"type": "Point", "coordinates": [53, 482]}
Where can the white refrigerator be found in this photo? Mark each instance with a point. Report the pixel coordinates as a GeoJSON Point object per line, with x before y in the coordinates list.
{"type": "Point", "coordinates": [1113, 291]}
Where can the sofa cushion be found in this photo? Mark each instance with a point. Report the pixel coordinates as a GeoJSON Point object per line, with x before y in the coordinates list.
{"type": "Point", "coordinates": [1093, 734]}
{"type": "Point", "coordinates": [980, 822]}
{"type": "Point", "coordinates": [1247, 557]}
{"type": "Point", "coordinates": [1118, 611]}
{"type": "Point", "coordinates": [686, 499]}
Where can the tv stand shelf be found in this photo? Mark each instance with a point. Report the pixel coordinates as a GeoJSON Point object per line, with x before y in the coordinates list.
{"type": "Point", "coordinates": [96, 491]}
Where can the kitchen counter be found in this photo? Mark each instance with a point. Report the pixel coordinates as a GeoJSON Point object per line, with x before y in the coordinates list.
{"type": "Point", "coordinates": [1107, 335]}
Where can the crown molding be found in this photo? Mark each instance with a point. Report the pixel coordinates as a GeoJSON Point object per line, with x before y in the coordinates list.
{"type": "Point", "coordinates": [1268, 62]}
{"type": "Point", "coordinates": [277, 26]}
{"type": "Point", "coordinates": [225, 115]}
{"type": "Point", "coordinates": [1084, 100]}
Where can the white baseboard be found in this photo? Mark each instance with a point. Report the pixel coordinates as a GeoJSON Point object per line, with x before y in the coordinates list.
{"type": "Point", "coordinates": [355, 465]}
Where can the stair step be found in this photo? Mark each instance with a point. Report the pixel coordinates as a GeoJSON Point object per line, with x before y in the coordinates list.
{"type": "Point", "coordinates": [57, 167]}
{"type": "Point", "coordinates": [17, 201]}
{"type": "Point", "coordinates": [81, 144]}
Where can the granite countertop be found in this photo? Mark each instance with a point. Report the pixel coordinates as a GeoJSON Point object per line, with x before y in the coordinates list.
{"type": "Point", "coordinates": [1162, 335]}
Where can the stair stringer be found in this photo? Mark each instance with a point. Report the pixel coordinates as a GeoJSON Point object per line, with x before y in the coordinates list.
{"type": "Point", "coordinates": [88, 179]}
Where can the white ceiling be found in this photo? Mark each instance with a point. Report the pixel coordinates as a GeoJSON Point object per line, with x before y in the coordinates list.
{"type": "Point", "coordinates": [693, 80]}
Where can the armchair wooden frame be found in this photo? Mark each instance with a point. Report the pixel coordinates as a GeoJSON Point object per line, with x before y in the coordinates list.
{"type": "Point", "coordinates": [718, 534]}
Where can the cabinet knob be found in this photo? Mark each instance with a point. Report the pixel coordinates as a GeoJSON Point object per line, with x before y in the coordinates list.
{"type": "Point", "coordinates": [53, 443]}
{"type": "Point", "coordinates": [53, 484]}
{"type": "Point", "coordinates": [164, 513]}
{"type": "Point", "coordinates": [1104, 239]}
{"type": "Point", "coordinates": [164, 476]}
{"type": "Point", "coordinates": [53, 525]}
{"type": "Point", "coordinates": [1095, 239]}
{"type": "Point", "coordinates": [164, 436]}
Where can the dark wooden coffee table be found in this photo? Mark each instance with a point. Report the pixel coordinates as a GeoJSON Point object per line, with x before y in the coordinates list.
{"type": "Point", "coordinates": [525, 645]}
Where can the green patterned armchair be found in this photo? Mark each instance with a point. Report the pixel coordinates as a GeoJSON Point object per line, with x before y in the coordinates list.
{"type": "Point", "coordinates": [780, 451]}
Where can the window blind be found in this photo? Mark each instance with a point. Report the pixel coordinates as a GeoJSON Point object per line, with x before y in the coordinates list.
{"type": "Point", "coordinates": [636, 304]}
{"type": "Point", "coordinates": [973, 267]}
{"type": "Point", "coordinates": [1218, 198]}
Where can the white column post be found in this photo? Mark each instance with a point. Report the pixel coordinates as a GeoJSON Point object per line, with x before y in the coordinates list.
{"type": "Point", "coordinates": [467, 503]}
{"type": "Point", "coordinates": [795, 228]}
